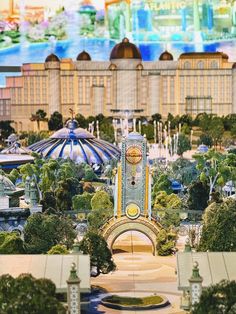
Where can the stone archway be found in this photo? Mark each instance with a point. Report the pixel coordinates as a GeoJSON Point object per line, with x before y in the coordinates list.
{"type": "Point", "coordinates": [115, 227]}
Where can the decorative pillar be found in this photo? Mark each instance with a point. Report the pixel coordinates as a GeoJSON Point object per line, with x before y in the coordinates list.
{"type": "Point", "coordinates": [34, 206]}
{"type": "Point", "coordinates": [187, 246]}
{"type": "Point", "coordinates": [195, 285]}
{"type": "Point", "coordinates": [73, 291]}
{"type": "Point", "coordinates": [4, 199]}
{"type": "Point", "coordinates": [134, 125]}
{"type": "Point", "coordinates": [27, 189]}
{"type": "Point", "coordinates": [76, 248]}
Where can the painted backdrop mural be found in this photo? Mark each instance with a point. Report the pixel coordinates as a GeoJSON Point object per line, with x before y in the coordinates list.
{"type": "Point", "coordinates": [31, 29]}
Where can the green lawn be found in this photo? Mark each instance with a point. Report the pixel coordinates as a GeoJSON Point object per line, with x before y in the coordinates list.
{"type": "Point", "coordinates": [128, 301]}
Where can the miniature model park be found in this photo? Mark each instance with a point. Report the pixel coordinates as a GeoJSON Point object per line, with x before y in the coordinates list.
{"type": "Point", "coordinates": [117, 177]}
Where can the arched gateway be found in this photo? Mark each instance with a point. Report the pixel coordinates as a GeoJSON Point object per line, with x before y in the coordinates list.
{"type": "Point", "coordinates": [132, 206]}
{"type": "Point", "coordinates": [115, 227]}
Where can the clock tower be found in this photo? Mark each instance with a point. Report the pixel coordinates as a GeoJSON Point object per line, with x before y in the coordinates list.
{"type": "Point", "coordinates": [133, 181]}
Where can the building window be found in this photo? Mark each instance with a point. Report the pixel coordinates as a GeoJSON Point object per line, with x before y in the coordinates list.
{"type": "Point", "coordinates": [214, 65]}
{"type": "Point", "coordinates": [187, 65]}
{"type": "Point", "coordinates": [200, 65]}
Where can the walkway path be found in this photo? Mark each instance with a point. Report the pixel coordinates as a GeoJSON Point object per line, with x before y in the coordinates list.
{"type": "Point", "coordinates": [140, 274]}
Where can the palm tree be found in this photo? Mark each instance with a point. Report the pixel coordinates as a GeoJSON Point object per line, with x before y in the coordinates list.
{"type": "Point", "coordinates": [39, 116]}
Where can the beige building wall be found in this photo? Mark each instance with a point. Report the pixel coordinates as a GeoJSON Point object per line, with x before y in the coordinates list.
{"type": "Point", "coordinates": [196, 82]}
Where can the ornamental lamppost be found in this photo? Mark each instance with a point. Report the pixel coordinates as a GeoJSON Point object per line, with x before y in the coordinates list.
{"type": "Point", "coordinates": [195, 285]}
{"type": "Point", "coordinates": [73, 291]}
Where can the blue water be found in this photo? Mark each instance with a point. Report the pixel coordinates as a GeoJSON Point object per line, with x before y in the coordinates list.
{"type": "Point", "coordinates": [100, 49]}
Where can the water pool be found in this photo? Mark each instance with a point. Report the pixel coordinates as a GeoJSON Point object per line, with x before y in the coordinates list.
{"type": "Point", "coordinates": [100, 49]}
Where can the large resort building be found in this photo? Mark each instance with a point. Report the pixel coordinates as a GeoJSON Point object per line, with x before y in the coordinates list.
{"type": "Point", "coordinates": [195, 83]}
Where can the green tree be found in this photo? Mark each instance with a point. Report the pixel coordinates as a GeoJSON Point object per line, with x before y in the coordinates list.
{"type": "Point", "coordinates": [183, 144]}
{"type": "Point", "coordinates": [219, 227]}
{"type": "Point", "coordinates": [48, 175]}
{"type": "Point", "coordinates": [44, 231]}
{"type": "Point", "coordinates": [65, 191]}
{"type": "Point", "coordinates": [13, 175]}
{"type": "Point", "coordinates": [100, 255]}
{"type": "Point", "coordinates": [204, 121]}
{"type": "Point", "coordinates": [28, 295]}
{"type": "Point", "coordinates": [32, 170]}
{"type": "Point", "coordinates": [82, 202]}
{"type": "Point", "coordinates": [171, 118]}
{"type": "Point", "coordinates": [55, 122]}
{"type": "Point", "coordinates": [11, 243]}
{"type": "Point", "coordinates": [212, 170]}
{"type": "Point", "coordinates": [156, 117]}
{"type": "Point", "coordinates": [186, 119]}
{"type": "Point", "coordinates": [170, 218]}
{"type": "Point", "coordinates": [205, 139]}
{"type": "Point", "coordinates": [233, 131]}
{"type": "Point", "coordinates": [101, 201]}
{"type": "Point", "coordinates": [102, 210]}
{"type": "Point", "coordinates": [48, 200]}
{"type": "Point", "coordinates": [229, 121]}
{"type": "Point", "coordinates": [6, 129]}
{"type": "Point", "coordinates": [184, 171]}
{"type": "Point", "coordinates": [89, 174]}
{"type": "Point", "coordinates": [33, 137]}
{"type": "Point", "coordinates": [163, 183]}
{"type": "Point", "coordinates": [81, 121]}
{"type": "Point", "coordinates": [107, 132]}
{"type": "Point", "coordinates": [198, 195]}
{"type": "Point", "coordinates": [58, 249]}
{"type": "Point", "coordinates": [38, 117]}
{"type": "Point", "coordinates": [165, 242]}
{"type": "Point", "coordinates": [167, 201]}
{"type": "Point", "coordinates": [148, 130]}
{"type": "Point", "coordinates": [219, 298]}
{"type": "Point", "coordinates": [185, 129]}
{"type": "Point", "coordinates": [98, 217]}
{"type": "Point", "coordinates": [216, 130]}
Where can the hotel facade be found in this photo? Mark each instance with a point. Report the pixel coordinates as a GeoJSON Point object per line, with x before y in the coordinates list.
{"type": "Point", "coordinates": [195, 83]}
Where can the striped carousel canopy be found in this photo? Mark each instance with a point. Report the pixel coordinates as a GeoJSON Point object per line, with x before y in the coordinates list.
{"type": "Point", "coordinates": [77, 144]}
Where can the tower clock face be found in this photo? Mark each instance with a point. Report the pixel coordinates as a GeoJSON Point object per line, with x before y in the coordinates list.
{"type": "Point", "coordinates": [132, 211]}
{"type": "Point", "coordinates": [133, 154]}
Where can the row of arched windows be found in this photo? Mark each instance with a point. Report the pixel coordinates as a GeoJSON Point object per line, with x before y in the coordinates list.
{"type": "Point", "coordinates": [201, 65]}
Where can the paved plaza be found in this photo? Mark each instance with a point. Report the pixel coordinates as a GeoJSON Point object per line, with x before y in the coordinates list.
{"type": "Point", "coordinates": [141, 274]}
